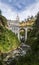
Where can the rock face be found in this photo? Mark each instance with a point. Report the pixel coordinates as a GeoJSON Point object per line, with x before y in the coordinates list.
{"type": "Point", "coordinates": [14, 54]}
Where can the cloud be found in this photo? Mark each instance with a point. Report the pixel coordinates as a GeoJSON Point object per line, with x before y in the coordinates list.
{"type": "Point", "coordinates": [18, 5]}
{"type": "Point", "coordinates": [29, 11]}
{"type": "Point", "coordinates": [11, 14]}
{"type": "Point", "coordinates": [7, 11]}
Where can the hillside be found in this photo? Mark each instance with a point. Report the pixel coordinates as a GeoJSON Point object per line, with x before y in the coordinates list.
{"type": "Point", "coordinates": [8, 40]}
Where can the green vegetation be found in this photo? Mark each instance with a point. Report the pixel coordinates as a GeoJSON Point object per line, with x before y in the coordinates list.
{"type": "Point", "coordinates": [3, 21]}
{"type": "Point", "coordinates": [8, 40]}
{"type": "Point", "coordinates": [22, 32]}
{"type": "Point", "coordinates": [33, 41]}
{"type": "Point", "coordinates": [31, 58]}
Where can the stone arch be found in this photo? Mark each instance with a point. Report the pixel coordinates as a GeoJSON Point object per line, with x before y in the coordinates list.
{"type": "Point", "coordinates": [22, 28]}
{"type": "Point", "coordinates": [22, 34]}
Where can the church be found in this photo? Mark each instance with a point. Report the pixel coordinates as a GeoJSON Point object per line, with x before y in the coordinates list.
{"type": "Point", "coordinates": [16, 26]}
{"type": "Point", "coordinates": [13, 24]}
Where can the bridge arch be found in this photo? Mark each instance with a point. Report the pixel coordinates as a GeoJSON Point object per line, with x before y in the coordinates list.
{"type": "Point", "coordinates": [22, 33]}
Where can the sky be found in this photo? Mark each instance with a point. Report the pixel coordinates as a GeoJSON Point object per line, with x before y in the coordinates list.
{"type": "Point", "coordinates": [24, 8]}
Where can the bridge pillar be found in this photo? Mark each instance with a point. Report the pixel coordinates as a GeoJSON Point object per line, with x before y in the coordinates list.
{"type": "Point", "coordinates": [25, 34]}
{"type": "Point", "coordinates": [18, 34]}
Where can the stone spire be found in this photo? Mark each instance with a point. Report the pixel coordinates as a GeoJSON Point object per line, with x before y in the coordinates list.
{"type": "Point", "coordinates": [17, 18]}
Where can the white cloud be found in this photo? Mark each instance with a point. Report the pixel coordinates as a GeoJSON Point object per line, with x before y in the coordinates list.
{"type": "Point", "coordinates": [31, 10]}
{"type": "Point", "coordinates": [7, 11]}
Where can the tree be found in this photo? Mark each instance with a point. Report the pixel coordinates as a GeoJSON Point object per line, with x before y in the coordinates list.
{"type": "Point", "coordinates": [31, 17]}
{"type": "Point", "coordinates": [3, 20]}
{"type": "Point", "coordinates": [37, 21]}
{"type": "Point", "coordinates": [0, 12]}
{"type": "Point", "coordinates": [28, 18]}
